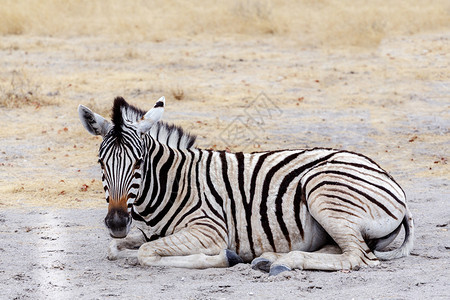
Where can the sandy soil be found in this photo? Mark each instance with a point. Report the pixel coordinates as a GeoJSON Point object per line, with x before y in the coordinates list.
{"type": "Point", "coordinates": [390, 103]}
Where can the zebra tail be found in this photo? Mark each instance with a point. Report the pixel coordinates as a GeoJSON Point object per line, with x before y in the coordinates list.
{"type": "Point", "coordinates": [408, 244]}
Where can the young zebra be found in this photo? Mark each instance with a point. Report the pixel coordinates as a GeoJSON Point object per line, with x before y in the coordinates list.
{"type": "Point", "coordinates": [318, 209]}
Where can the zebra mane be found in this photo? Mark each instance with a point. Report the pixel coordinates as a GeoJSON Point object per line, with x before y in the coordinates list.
{"type": "Point", "coordinates": [172, 135]}
{"type": "Point", "coordinates": [168, 134]}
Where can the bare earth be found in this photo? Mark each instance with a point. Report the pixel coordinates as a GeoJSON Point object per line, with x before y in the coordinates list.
{"type": "Point", "coordinates": [391, 103]}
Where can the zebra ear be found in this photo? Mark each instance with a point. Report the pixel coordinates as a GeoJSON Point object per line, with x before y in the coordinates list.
{"type": "Point", "coordinates": [94, 123]}
{"type": "Point", "coordinates": [152, 116]}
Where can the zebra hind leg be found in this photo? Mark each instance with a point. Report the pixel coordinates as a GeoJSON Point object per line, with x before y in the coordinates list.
{"type": "Point", "coordinates": [264, 262]}
{"type": "Point", "coordinates": [330, 249]}
{"type": "Point", "coordinates": [355, 254]}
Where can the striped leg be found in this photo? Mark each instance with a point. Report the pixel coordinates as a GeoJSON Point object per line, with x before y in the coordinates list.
{"type": "Point", "coordinates": [192, 248]}
{"type": "Point", "coordinates": [265, 261]}
{"type": "Point", "coordinates": [355, 254]}
{"type": "Point", "coordinates": [345, 231]}
{"type": "Point", "coordinates": [193, 261]}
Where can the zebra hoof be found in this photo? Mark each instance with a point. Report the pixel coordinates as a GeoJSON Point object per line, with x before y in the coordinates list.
{"type": "Point", "coordinates": [113, 250]}
{"type": "Point", "coordinates": [262, 264]}
{"type": "Point", "coordinates": [275, 270]}
{"type": "Point", "coordinates": [233, 258]}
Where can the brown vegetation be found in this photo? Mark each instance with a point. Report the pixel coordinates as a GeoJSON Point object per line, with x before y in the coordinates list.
{"type": "Point", "coordinates": [326, 22]}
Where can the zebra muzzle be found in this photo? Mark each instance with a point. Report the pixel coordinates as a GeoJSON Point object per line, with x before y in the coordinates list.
{"type": "Point", "coordinates": [118, 222]}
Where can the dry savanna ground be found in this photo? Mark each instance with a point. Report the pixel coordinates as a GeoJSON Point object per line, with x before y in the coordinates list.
{"type": "Point", "coordinates": [242, 75]}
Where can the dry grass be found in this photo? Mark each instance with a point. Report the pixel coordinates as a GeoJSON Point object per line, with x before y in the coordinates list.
{"type": "Point", "coordinates": [21, 90]}
{"type": "Point", "coordinates": [326, 22]}
{"type": "Point", "coordinates": [178, 93]}
{"type": "Point", "coordinates": [63, 193]}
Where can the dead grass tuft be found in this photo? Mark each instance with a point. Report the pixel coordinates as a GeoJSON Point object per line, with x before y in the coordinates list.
{"type": "Point", "coordinates": [102, 108]}
{"type": "Point", "coordinates": [178, 93]}
{"type": "Point", "coordinates": [20, 90]}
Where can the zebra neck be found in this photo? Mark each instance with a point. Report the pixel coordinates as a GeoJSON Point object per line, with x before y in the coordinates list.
{"type": "Point", "coordinates": [216, 166]}
{"type": "Point", "coordinates": [166, 189]}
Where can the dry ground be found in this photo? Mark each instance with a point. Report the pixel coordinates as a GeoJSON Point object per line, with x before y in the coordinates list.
{"type": "Point", "coordinates": [385, 95]}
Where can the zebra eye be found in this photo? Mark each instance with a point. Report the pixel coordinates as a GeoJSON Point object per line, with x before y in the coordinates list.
{"type": "Point", "coordinates": [101, 163]}
{"type": "Point", "coordinates": [137, 164]}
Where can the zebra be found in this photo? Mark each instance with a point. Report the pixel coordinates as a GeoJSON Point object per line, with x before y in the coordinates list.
{"type": "Point", "coordinates": [316, 209]}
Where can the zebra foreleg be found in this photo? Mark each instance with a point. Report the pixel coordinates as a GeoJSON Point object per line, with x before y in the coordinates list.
{"type": "Point", "coordinates": [188, 249]}
{"type": "Point", "coordinates": [126, 247]}
{"type": "Point", "coordinates": [193, 261]}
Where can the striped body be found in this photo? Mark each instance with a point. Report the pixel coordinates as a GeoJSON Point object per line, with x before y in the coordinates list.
{"type": "Point", "coordinates": [311, 209]}
{"type": "Point", "coordinates": [259, 202]}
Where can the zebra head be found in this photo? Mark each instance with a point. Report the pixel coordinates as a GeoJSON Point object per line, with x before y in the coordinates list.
{"type": "Point", "coordinates": [121, 157]}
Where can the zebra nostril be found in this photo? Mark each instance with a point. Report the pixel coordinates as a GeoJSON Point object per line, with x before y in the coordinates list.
{"type": "Point", "coordinates": [119, 220]}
